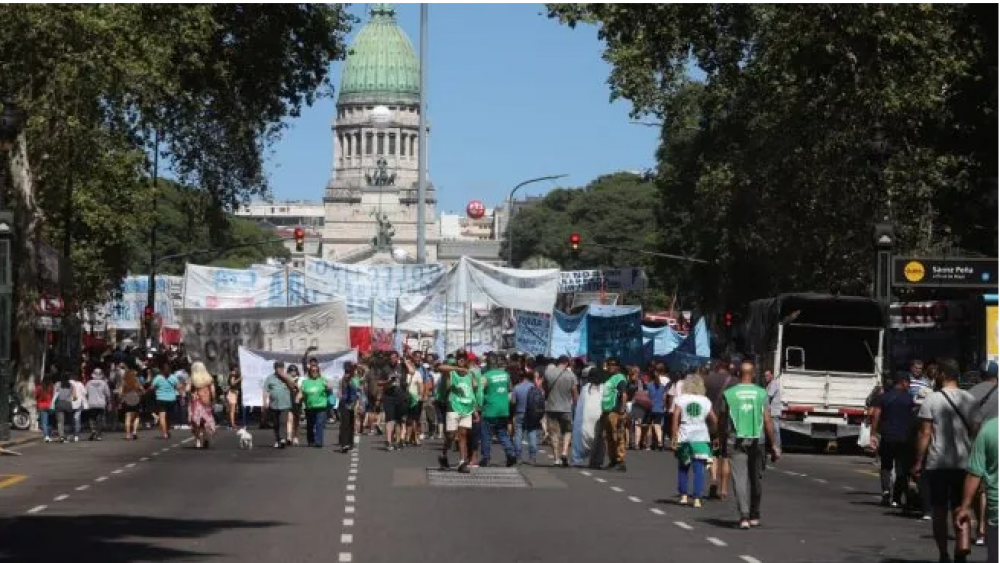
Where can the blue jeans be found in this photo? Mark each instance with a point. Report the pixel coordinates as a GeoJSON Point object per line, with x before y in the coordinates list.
{"type": "Point", "coordinates": [698, 467]}
{"type": "Point", "coordinates": [43, 421]}
{"type": "Point", "coordinates": [488, 426]}
{"type": "Point", "coordinates": [315, 425]}
{"type": "Point", "coordinates": [77, 421]}
{"type": "Point", "coordinates": [519, 433]}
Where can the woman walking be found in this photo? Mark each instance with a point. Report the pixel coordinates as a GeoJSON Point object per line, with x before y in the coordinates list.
{"type": "Point", "coordinates": [315, 398]}
{"type": "Point", "coordinates": [350, 392]}
{"type": "Point", "coordinates": [200, 408]}
{"type": "Point", "coordinates": [233, 395]}
{"type": "Point", "coordinates": [132, 395]}
{"type": "Point", "coordinates": [693, 419]}
{"type": "Point", "coordinates": [43, 401]}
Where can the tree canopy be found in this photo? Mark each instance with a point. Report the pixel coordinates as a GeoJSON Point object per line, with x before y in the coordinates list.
{"type": "Point", "coordinates": [811, 123]}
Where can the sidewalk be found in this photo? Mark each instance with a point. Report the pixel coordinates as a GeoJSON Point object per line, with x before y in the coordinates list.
{"type": "Point", "coordinates": [20, 438]}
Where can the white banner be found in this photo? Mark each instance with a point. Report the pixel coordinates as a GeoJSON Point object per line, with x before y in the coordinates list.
{"type": "Point", "coordinates": [472, 281]}
{"type": "Point", "coordinates": [429, 313]}
{"type": "Point", "coordinates": [624, 279]}
{"type": "Point", "coordinates": [214, 335]}
{"type": "Point", "coordinates": [127, 310]}
{"type": "Point", "coordinates": [225, 288]}
{"type": "Point", "coordinates": [256, 365]}
{"type": "Point", "coordinates": [531, 332]}
{"type": "Point", "coordinates": [325, 280]}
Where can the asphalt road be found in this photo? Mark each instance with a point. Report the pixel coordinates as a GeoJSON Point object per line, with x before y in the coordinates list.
{"type": "Point", "coordinates": [155, 500]}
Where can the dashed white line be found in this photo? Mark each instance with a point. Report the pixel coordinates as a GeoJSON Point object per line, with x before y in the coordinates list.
{"type": "Point", "coordinates": [716, 541]}
{"type": "Point", "coordinates": [154, 454]}
{"type": "Point", "coordinates": [188, 439]}
{"type": "Point", "coordinates": [750, 559]}
{"type": "Point", "coordinates": [116, 472]}
{"type": "Point", "coordinates": [37, 509]}
{"type": "Point", "coordinates": [349, 498]}
{"type": "Point", "coordinates": [83, 487]}
{"type": "Point", "coordinates": [786, 472]}
{"type": "Point", "coordinates": [657, 511]}
{"type": "Point", "coordinates": [352, 477]}
{"type": "Point", "coordinates": [165, 450]}
{"type": "Point", "coordinates": [144, 458]}
{"type": "Point", "coordinates": [353, 470]}
{"type": "Point", "coordinates": [585, 473]}
{"type": "Point", "coordinates": [351, 487]}
{"type": "Point", "coordinates": [61, 498]}
{"type": "Point", "coordinates": [618, 489]}
{"type": "Point", "coordinates": [683, 525]}
{"type": "Point", "coordinates": [349, 509]}
{"type": "Point", "coordinates": [100, 479]}
{"type": "Point", "coordinates": [344, 557]}
{"type": "Point", "coordinates": [823, 481]}
{"type": "Point", "coordinates": [348, 522]}
{"type": "Point", "coordinates": [346, 538]}
{"type": "Point", "coordinates": [599, 480]}
{"type": "Point", "coordinates": [130, 466]}
{"type": "Point", "coordinates": [847, 487]}
{"type": "Point", "coordinates": [635, 499]}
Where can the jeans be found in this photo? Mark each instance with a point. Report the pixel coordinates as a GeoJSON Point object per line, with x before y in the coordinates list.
{"type": "Point", "coordinates": [488, 427]}
{"type": "Point", "coordinates": [346, 426]}
{"type": "Point", "coordinates": [279, 423]}
{"type": "Point", "coordinates": [61, 423]}
{"type": "Point", "coordinates": [77, 422]}
{"type": "Point", "coordinates": [43, 422]}
{"type": "Point", "coordinates": [518, 435]}
{"type": "Point", "coordinates": [95, 420]}
{"type": "Point", "coordinates": [315, 425]}
{"type": "Point", "coordinates": [697, 466]}
{"type": "Point", "coordinates": [746, 462]}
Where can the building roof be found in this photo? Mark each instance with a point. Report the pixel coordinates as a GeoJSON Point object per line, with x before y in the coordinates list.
{"type": "Point", "coordinates": [381, 66]}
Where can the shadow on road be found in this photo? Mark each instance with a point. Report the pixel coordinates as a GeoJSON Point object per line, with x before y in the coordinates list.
{"type": "Point", "coordinates": [106, 538]}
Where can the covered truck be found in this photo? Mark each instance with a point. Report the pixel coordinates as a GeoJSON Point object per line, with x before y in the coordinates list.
{"type": "Point", "coordinates": [826, 353]}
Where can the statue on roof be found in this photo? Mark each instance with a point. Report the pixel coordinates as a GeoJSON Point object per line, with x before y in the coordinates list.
{"type": "Point", "coordinates": [381, 176]}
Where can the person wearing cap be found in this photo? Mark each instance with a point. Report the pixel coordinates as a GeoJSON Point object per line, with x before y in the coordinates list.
{"type": "Point", "coordinates": [892, 428]}
{"type": "Point", "coordinates": [278, 389]}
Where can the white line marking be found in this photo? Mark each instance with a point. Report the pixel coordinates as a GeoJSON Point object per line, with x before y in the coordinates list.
{"type": "Point", "coordinates": [346, 538]}
{"type": "Point", "coordinates": [599, 480]}
{"type": "Point", "coordinates": [116, 472]}
{"type": "Point", "coordinates": [348, 522]}
{"type": "Point", "coordinates": [349, 498]}
{"type": "Point", "coordinates": [657, 511]}
{"type": "Point", "coordinates": [100, 479]}
{"type": "Point", "coordinates": [353, 470]}
{"type": "Point", "coordinates": [130, 466]}
{"type": "Point", "coordinates": [683, 525]}
{"type": "Point", "coordinates": [803, 475]}
{"type": "Point", "coordinates": [83, 487]}
{"type": "Point", "coordinates": [61, 498]}
{"type": "Point", "coordinates": [165, 450]}
{"type": "Point", "coordinates": [750, 559]}
{"type": "Point", "coordinates": [820, 480]}
{"type": "Point", "coordinates": [154, 454]}
{"type": "Point", "coordinates": [351, 487]}
{"type": "Point", "coordinates": [618, 489]}
{"type": "Point", "coordinates": [345, 557]}
{"type": "Point", "coordinates": [37, 509]}
{"type": "Point", "coordinates": [635, 499]}
{"type": "Point", "coordinates": [847, 487]}
{"type": "Point", "coordinates": [349, 509]}
{"type": "Point", "coordinates": [175, 446]}
{"type": "Point", "coordinates": [352, 477]}
{"type": "Point", "coordinates": [188, 439]}
{"type": "Point", "coordinates": [786, 472]}
{"type": "Point", "coordinates": [585, 473]}
{"type": "Point", "coordinates": [716, 541]}
{"type": "Point", "coordinates": [144, 458]}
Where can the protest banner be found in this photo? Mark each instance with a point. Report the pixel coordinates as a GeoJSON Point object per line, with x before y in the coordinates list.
{"type": "Point", "coordinates": [623, 279]}
{"type": "Point", "coordinates": [256, 365]}
{"type": "Point", "coordinates": [615, 332]}
{"type": "Point", "coordinates": [569, 335]}
{"type": "Point", "coordinates": [531, 332]}
{"type": "Point", "coordinates": [206, 287]}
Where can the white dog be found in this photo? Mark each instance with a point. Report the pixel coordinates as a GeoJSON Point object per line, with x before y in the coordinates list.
{"type": "Point", "coordinates": [246, 439]}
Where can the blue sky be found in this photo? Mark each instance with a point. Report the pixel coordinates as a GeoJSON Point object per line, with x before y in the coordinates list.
{"type": "Point", "coordinates": [512, 95]}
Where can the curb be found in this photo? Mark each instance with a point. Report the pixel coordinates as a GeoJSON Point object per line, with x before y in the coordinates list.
{"type": "Point", "coordinates": [21, 441]}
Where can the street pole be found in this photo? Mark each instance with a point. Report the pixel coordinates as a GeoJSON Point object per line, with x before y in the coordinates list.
{"type": "Point", "coordinates": [151, 290]}
{"type": "Point", "coordinates": [422, 142]}
{"type": "Point", "coordinates": [510, 213]}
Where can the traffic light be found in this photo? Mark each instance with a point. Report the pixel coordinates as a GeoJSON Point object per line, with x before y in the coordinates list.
{"type": "Point", "coordinates": [574, 242]}
{"type": "Point", "coordinates": [147, 313]}
{"type": "Point", "coordinates": [729, 319]}
{"type": "Point", "coordinates": [300, 239]}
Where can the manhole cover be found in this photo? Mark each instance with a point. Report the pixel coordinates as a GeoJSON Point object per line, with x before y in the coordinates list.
{"type": "Point", "coordinates": [479, 478]}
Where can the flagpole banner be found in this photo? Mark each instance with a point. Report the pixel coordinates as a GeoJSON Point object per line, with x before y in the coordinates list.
{"type": "Point", "coordinates": [615, 332]}
{"type": "Point", "coordinates": [569, 335]}
{"type": "Point", "coordinates": [206, 287]}
{"type": "Point", "coordinates": [127, 311]}
{"type": "Point", "coordinates": [624, 279]}
{"type": "Point", "coordinates": [214, 336]}
{"type": "Point", "coordinates": [325, 280]}
{"type": "Point", "coordinates": [531, 332]}
{"type": "Point", "coordinates": [472, 281]}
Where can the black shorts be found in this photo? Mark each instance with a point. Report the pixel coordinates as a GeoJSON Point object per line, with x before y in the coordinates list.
{"type": "Point", "coordinates": [563, 419]}
{"type": "Point", "coordinates": [395, 409]}
{"type": "Point", "coordinates": [654, 419]}
{"type": "Point", "coordinates": [372, 404]}
{"type": "Point", "coordinates": [415, 412]}
{"type": "Point", "coordinates": [165, 406]}
{"type": "Point", "coordinates": [472, 437]}
{"type": "Point", "coordinates": [946, 487]}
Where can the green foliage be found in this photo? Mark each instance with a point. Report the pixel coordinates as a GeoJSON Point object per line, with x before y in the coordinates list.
{"type": "Point", "coordinates": [767, 166]}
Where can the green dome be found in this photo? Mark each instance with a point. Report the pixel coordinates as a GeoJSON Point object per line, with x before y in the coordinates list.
{"type": "Point", "coordinates": [381, 66]}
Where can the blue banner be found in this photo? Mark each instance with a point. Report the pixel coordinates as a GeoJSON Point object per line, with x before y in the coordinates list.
{"type": "Point", "coordinates": [660, 341]}
{"type": "Point", "coordinates": [615, 332]}
{"type": "Point", "coordinates": [569, 335]}
{"type": "Point", "coordinates": [531, 333]}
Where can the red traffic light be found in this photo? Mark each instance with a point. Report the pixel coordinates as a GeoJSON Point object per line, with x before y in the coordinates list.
{"type": "Point", "coordinates": [574, 241]}
{"type": "Point", "coordinates": [729, 319]}
{"type": "Point", "coordinates": [300, 239]}
{"type": "Point", "coordinates": [148, 313]}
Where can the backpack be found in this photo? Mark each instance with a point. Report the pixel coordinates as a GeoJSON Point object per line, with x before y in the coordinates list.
{"type": "Point", "coordinates": [64, 398]}
{"type": "Point", "coordinates": [535, 409]}
{"type": "Point", "coordinates": [131, 398]}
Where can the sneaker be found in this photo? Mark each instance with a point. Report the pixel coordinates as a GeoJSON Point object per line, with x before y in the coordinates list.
{"type": "Point", "coordinates": [754, 522]}
{"type": "Point", "coordinates": [981, 540]}
{"type": "Point", "coordinates": [279, 445]}
{"type": "Point", "coordinates": [926, 518]}
{"type": "Point", "coordinates": [565, 461]}
{"type": "Point", "coordinates": [696, 503]}
{"type": "Point", "coordinates": [463, 466]}
{"type": "Point", "coordinates": [511, 461]}
{"type": "Point", "coordinates": [744, 524]}
{"type": "Point", "coordinates": [443, 462]}
{"type": "Point", "coordinates": [76, 438]}
{"type": "Point", "coordinates": [48, 439]}
{"type": "Point", "coordinates": [295, 441]}
{"type": "Point", "coordinates": [683, 499]}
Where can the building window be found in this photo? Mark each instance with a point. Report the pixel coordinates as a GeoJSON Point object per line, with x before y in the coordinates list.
{"type": "Point", "coordinates": [381, 144]}
{"type": "Point", "coordinates": [343, 148]}
{"type": "Point", "coordinates": [357, 143]}
{"type": "Point", "coordinates": [402, 144]}
{"type": "Point", "coordinates": [368, 144]}
{"type": "Point", "coordinates": [392, 143]}
{"type": "Point", "coordinates": [413, 145]}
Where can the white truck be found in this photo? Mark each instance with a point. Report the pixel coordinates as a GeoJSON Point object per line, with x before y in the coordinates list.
{"type": "Point", "coordinates": [826, 353]}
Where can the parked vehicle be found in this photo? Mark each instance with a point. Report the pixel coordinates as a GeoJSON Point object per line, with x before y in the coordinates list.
{"type": "Point", "coordinates": [20, 418]}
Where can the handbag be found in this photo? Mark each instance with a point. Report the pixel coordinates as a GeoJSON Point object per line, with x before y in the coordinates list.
{"type": "Point", "coordinates": [642, 399]}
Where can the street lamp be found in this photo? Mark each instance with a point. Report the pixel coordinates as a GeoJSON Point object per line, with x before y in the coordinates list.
{"type": "Point", "coordinates": [422, 142]}
{"type": "Point", "coordinates": [151, 333]}
{"type": "Point", "coordinates": [510, 212]}
{"type": "Point", "coordinates": [12, 120]}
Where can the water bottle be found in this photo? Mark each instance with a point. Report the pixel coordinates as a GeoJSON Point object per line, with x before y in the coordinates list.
{"type": "Point", "coordinates": [963, 539]}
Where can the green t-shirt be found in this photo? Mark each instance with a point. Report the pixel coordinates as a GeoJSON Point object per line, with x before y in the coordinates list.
{"type": "Point", "coordinates": [745, 403]}
{"type": "Point", "coordinates": [610, 397]}
{"type": "Point", "coordinates": [462, 396]}
{"type": "Point", "coordinates": [983, 464]}
{"type": "Point", "coordinates": [315, 393]}
{"type": "Point", "coordinates": [496, 394]}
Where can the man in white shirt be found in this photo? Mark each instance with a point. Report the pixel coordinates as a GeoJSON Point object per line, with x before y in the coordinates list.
{"type": "Point", "coordinates": [79, 405]}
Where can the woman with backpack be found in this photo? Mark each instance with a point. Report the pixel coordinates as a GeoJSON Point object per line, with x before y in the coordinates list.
{"type": "Point", "coordinates": [65, 396]}
{"type": "Point", "coordinates": [132, 394]}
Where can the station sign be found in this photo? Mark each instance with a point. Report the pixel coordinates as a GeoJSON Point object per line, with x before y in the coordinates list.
{"type": "Point", "coordinates": [944, 272]}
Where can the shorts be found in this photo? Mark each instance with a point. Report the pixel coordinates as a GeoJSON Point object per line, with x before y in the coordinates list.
{"type": "Point", "coordinates": [395, 409]}
{"type": "Point", "coordinates": [415, 412]}
{"type": "Point", "coordinates": [165, 406]}
{"type": "Point", "coordinates": [946, 487]}
{"type": "Point", "coordinates": [654, 419]}
{"type": "Point", "coordinates": [372, 404]}
{"type": "Point", "coordinates": [453, 421]}
{"type": "Point", "coordinates": [560, 420]}
{"type": "Point", "coordinates": [131, 408]}
{"type": "Point", "coordinates": [472, 437]}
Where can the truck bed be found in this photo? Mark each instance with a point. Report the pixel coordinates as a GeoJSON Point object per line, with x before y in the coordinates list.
{"type": "Point", "coordinates": [825, 390]}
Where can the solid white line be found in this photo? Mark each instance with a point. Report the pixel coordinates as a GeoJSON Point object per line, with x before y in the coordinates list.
{"type": "Point", "coordinates": [144, 458]}
{"type": "Point", "coordinates": [599, 480]}
{"type": "Point", "coordinates": [345, 557]}
{"type": "Point", "coordinates": [101, 478]}
{"type": "Point", "coordinates": [37, 509]}
{"type": "Point", "coordinates": [348, 522]}
{"type": "Point", "coordinates": [346, 538]}
{"type": "Point", "coordinates": [716, 541]}
{"type": "Point", "coordinates": [585, 473]}
{"type": "Point", "coordinates": [130, 466]}
{"type": "Point", "coordinates": [657, 511]}
{"type": "Point", "coordinates": [351, 487]}
{"type": "Point", "coordinates": [61, 498]}
{"type": "Point", "coordinates": [635, 499]}
{"type": "Point", "coordinates": [349, 498]}
{"type": "Point", "coordinates": [83, 487]}
{"type": "Point", "coordinates": [683, 525]}
{"type": "Point", "coordinates": [618, 489]}
{"type": "Point", "coordinates": [750, 559]}
{"type": "Point", "coordinates": [116, 472]}
{"type": "Point", "coordinates": [349, 509]}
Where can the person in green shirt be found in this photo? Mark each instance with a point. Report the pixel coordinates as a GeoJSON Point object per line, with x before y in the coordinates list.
{"type": "Point", "coordinates": [496, 391]}
{"type": "Point", "coordinates": [459, 392]}
{"type": "Point", "coordinates": [747, 419]}
{"type": "Point", "coordinates": [316, 399]}
{"type": "Point", "coordinates": [982, 471]}
{"type": "Point", "coordinates": [613, 416]}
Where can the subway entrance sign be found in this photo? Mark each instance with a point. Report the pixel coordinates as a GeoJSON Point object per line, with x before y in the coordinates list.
{"type": "Point", "coordinates": [944, 272]}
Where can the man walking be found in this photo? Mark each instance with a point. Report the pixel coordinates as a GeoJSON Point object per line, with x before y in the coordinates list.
{"type": "Point", "coordinates": [278, 389]}
{"type": "Point", "coordinates": [496, 411]}
{"type": "Point", "coordinates": [459, 392]}
{"type": "Point", "coordinates": [747, 422]}
{"type": "Point", "coordinates": [613, 416]}
{"type": "Point", "coordinates": [561, 392]}
{"type": "Point", "coordinates": [892, 427]}
{"type": "Point", "coordinates": [982, 471]}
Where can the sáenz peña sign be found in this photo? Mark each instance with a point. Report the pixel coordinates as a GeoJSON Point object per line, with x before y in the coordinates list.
{"type": "Point", "coordinates": [945, 272]}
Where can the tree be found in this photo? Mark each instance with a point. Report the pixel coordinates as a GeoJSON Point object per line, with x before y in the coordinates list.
{"type": "Point", "coordinates": [212, 84]}
{"type": "Point", "coordinates": [766, 166]}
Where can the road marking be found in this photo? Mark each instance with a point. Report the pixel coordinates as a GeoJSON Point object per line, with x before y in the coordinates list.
{"type": "Point", "coordinates": [37, 509]}
{"type": "Point", "coordinates": [349, 509]}
{"type": "Point", "coordinates": [599, 480]}
{"type": "Point", "coordinates": [635, 499]}
{"type": "Point", "coordinates": [154, 454]}
{"type": "Point", "coordinates": [847, 487]}
{"type": "Point", "coordinates": [61, 498]}
{"type": "Point", "coordinates": [349, 498]}
{"type": "Point", "coordinates": [657, 511]}
{"type": "Point", "coordinates": [144, 458]}
{"type": "Point", "coordinates": [345, 557]}
{"type": "Point", "coordinates": [130, 466]}
{"type": "Point", "coordinates": [750, 559]}
{"type": "Point", "coordinates": [868, 472]}
{"type": "Point", "coordinates": [100, 479]}
{"type": "Point", "coordinates": [716, 541]}
{"type": "Point", "coordinates": [351, 487]}
{"type": "Point", "coordinates": [786, 472]}
{"type": "Point", "coordinates": [684, 525]}
{"type": "Point", "coordinates": [618, 489]}
{"type": "Point", "coordinates": [346, 538]}
{"type": "Point", "coordinates": [116, 472]}
{"type": "Point", "coordinates": [83, 487]}
{"type": "Point", "coordinates": [352, 477]}
{"type": "Point", "coordinates": [348, 522]}
{"type": "Point", "coordinates": [585, 473]}
{"type": "Point", "coordinates": [188, 439]}
{"type": "Point", "coordinates": [820, 480]}
{"type": "Point", "coordinates": [165, 450]}
{"type": "Point", "coordinates": [11, 480]}
{"type": "Point", "coordinates": [353, 470]}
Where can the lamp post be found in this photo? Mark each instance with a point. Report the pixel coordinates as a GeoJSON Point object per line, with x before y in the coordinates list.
{"type": "Point", "coordinates": [422, 142]}
{"type": "Point", "coordinates": [11, 123]}
{"type": "Point", "coordinates": [510, 212]}
{"type": "Point", "coordinates": [883, 235]}
{"type": "Point", "coordinates": [151, 333]}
